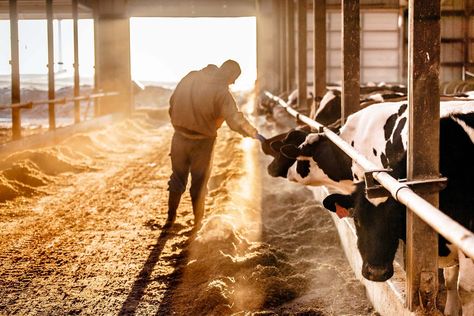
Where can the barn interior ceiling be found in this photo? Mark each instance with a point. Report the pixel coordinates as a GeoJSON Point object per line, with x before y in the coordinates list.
{"type": "Point", "coordinates": [35, 9]}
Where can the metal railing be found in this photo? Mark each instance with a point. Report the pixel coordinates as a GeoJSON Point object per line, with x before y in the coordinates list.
{"type": "Point", "coordinates": [16, 107]}
{"type": "Point", "coordinates": [440, 222]}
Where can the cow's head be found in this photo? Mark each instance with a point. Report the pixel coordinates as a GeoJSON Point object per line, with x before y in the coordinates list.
{"type": "Point", "coordinates": [378, 227]}
{"type": "Point", "coordinates": [275, 147]}
{"type": "Point", "coordinates": [319, 162]}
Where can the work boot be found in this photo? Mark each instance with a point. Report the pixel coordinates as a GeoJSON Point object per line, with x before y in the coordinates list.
{"type": "Point", "coordinates": [173, 203]}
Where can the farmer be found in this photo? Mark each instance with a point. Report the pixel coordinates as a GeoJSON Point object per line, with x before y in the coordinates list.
{"type": "Point", "coordinates": [199, 105]}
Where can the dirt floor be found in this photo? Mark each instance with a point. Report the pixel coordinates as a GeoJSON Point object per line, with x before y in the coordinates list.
{"type": "Point", "coordinates": [81, 233]}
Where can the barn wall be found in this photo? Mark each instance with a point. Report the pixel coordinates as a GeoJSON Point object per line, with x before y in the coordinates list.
{"type": "Point", "coordinates": [380, 46]}
{"type": "Point", "coordinates": [382, 56]}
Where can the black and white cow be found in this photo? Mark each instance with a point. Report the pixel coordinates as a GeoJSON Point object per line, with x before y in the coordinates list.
{"type": "Point", "coordinates": [380, 133]}
{"type": "Point", "coordinates": [329, 110]}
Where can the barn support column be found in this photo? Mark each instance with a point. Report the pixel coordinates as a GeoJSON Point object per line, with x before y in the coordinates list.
{"type": "Point", "coordinates": [77, 104]}
{"type": "Point", "coordinates": [350, 57]}
{"type": "Point", "coordinates": [15, 64]}
{"type": "Point", "coordinates": [467, 43]}
{"type": "Point", "coordinates": [290, 46]}
{"type": "Point", "coordinates": [283, 43]}
{"type": "Point", "coordinates": [51, 88]}
{"type": "Point", "coordinates": [423, 146]}
{"type": "Point", "coordinates": [266, 75]}
{"type": "Point", "coordinates": [277, 38]}
{"type": "Point", "coordinates": [95, 12]}
{"type": "Point", "coordinates": [302, 54]}
{"type": "Point", "coordinates": [113, 60]}
{"type": "Point", "coordinates": [319, 52]}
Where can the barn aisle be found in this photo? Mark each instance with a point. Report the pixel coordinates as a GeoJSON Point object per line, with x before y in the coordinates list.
{"type": "Point", "coordinates": [80, 233]}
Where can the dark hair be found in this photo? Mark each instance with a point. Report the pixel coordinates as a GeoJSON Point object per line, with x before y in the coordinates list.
{"type": "Point", "coordinates": [230, 69]}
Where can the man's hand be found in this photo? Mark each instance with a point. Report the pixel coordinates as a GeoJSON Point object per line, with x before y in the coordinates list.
{"type": "Point", "coordinates": [260, 138]}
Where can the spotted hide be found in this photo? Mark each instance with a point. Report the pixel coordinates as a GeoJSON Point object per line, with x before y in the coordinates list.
{"type": "Point", "coordinates": [380, 133]}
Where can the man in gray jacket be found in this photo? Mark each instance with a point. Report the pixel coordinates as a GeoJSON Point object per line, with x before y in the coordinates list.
{"type": "Point", "coordinates": [199, 105]}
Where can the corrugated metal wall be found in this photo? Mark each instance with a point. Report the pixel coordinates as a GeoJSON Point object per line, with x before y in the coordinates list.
{"type": "Point", "coordinates": [380, 55]}
{"type": "Point", "coordinates": [382, 37]}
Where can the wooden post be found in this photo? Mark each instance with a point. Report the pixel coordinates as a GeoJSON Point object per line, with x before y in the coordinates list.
{"type": "Point", "coordinates": [302, 53]}
{"type": "Point", "coordinates": [276, 21]}
{"type": "Point", "coordinates": [95, 13]}
{"type": "Point", "coordinates": [266, 78]}
{"type": "Point", "coordinates": [403, 50]}
{"type": "Point", "coordinates": [319, 52]}
{"type": "Point", "coordinates": [77, 104]}
{"type": "Point", "coordinates": [283, 43]}
{"type": "Point", "coordinates": [15, 64]}
{"type": "Point", "coordinates": [290, 46]}
{"type": "Point", "coordinates": [350, 57]}
{"type": "Point", "coordinates": [114, 65]}
{"type": "Point", "coordinates": [51, 90]}
{"type": "Point", "coordinates": [467, 43]}
{"type": "Point", "coordinates": [423, 146]}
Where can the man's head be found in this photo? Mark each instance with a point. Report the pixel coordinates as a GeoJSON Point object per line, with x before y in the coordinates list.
{"type": "Point", "coordinates": [230, 69]}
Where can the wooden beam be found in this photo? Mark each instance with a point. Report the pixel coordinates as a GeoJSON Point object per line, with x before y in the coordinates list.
{"type": "Point", "coordinates": [350, 57]}
{"type": "Point", "coordinates": [191, 8]}
{"type": "Point", "coordinates": [423, 146]}
{"type": "Point", "coordinates": [290, 46]}
{"type": "Point", "coordinates": [51, 89]}
{"type": "Point", "coordinates": [15, 64]}
{"type": "Point", "coordinates": [319, 52]}
{"type": "Point", "coordinates": [302, 53]}
{"type": "Point", "coordinates": [77, 104]}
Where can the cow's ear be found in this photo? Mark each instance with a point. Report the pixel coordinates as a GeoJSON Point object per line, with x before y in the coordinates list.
{"type": "Point", "coordinates": [267, 148]}
{"type": "Point", "coordinates": [290, 151]}
{"type": "Point", "coordinates": [295, 137]}
{"type": "Point", "coordinates": [276, 145]}
{"type": "Point", "coordinates": [339, 204]}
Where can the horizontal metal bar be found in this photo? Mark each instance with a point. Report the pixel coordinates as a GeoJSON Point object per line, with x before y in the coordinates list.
{"type": "Point", "coordinates": [443, 224]}
{"type": "Point", "coordinates": [30, 104]}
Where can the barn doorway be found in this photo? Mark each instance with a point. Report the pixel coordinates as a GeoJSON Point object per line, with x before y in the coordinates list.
{"type": "Point", "coordinates": [163, 50]}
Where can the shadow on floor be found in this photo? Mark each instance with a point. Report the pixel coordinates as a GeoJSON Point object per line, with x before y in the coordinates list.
{"type": "Point", "coordinates": [138, 289]}
{"type": "Point", "coordinates": [130, 305]}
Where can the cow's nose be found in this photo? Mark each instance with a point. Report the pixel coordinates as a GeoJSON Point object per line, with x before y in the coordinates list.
{"type": "Point", "coordinates": [377, 273]}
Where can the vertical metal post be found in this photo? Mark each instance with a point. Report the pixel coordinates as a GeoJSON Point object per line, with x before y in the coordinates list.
{"type": "Point", "coordinates": [290, 46]}
{"type": "Point", "coordinates": [77, 104]}
{"type": "Point", "coordinates": [302, 53]}
{"type": "Point", "coordinates": [283, 43]}
{"type": "Point", "coordinates": [15, 64]}
{"type": "Point", "coordinates": [350, 57]}
{"type": "Point", "coordinates": [319, 52]}
{"type": "Point", "coordinates": [51, 89]}
{"type": "Point", "coordinates": [423, 146]}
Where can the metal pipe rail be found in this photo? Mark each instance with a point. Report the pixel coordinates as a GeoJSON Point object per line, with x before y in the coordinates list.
{"type": "Point", "coordinates": [30, 104]}
{"type": "Point", "coordinates": [440, 222]}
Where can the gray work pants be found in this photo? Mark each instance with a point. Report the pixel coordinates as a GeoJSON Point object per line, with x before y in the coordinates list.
{"type": "Point", "coordinates": [190, 156]}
